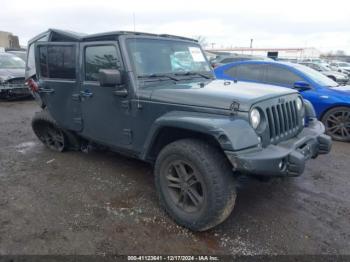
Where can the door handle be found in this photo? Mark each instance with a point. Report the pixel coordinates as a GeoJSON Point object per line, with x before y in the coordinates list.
{"type": "Point", "coordinates": [86, 93]}
{"type": "Point", "coordinates": [46, 90]}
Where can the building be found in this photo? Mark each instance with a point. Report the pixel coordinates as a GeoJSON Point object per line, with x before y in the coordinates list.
{"type": "Point", "coordinates": [8, 40]}
{"type": "Point", "coordinates": [282, 53]}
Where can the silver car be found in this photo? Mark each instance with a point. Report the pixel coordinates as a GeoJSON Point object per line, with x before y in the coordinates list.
{"type": "Point", "coordinates": [12, 77]}
{"type": "Point", "coordinates": [338, 77]}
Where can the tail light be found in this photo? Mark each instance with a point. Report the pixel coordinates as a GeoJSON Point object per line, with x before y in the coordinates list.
{"type": "Point", "coordinates": [32, 85]}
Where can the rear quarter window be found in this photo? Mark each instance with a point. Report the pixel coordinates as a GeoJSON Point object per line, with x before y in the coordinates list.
{"type": "Point", "coordinates": [30, 61]}
{"type": "Point", "coordinates": [249, 72]}
{"type": "Point", "coordinates": [30, 65]}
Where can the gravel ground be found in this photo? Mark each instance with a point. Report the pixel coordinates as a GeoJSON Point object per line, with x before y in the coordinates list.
{"type": "Point", "coordinates": [104, 203]}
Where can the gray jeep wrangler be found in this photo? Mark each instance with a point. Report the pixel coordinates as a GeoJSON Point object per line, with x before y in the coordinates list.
{"type": "Point", "coordinates": [155, 98]}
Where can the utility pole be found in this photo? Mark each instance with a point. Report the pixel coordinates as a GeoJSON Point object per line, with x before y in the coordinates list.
{"type": "Point", "coordinates": [251, 43]}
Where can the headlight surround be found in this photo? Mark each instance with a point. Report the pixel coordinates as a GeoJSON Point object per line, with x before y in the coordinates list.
{"type": "Point", "coordinates": [255, 118]}
{"type": "Point", "coordinates": [300, 103]}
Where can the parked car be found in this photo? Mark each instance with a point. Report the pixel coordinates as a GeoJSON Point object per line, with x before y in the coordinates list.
{"type": "Point", "coordinates": [330, 100]}
{"type": "Point", "coordinates": [312, 60]}
{"type": "Point", "coordinates": [12, 77]}
{"type": "Point", "coordinates": [225, 59]}
{"type": "Point", "coordinates": [343, 67]}
{"type": "Point", "coordinates": [122, 90]}
{"type": "Point", "coordinates": [327, 71]}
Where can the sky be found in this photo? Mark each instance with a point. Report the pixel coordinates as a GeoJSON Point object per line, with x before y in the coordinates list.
{"type": "Point", "coordinates": [324, 25]}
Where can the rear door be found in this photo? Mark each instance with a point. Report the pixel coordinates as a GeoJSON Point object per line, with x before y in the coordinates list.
{"type": "Point", "coordinates": [56, 67]}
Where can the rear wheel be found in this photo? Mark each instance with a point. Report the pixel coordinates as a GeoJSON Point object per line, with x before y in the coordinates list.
{"type": "Point", "coordinates": [46, 129]}
{"type": "Point", "coordinates": [337, 123]}
{"type": "Point", "coordinates": [195, 184]}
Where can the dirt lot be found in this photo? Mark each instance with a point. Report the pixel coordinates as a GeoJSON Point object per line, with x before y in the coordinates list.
{"type": "Point", "coordinates": [101, 203]}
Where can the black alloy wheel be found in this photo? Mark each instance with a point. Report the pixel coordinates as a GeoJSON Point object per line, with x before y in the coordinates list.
{"type": "Point", "coordinates": [195, 183]}
{"type": "Point", "coordinates": [53, 138]}
{"type": "Point", "coordinates": [184, 186]}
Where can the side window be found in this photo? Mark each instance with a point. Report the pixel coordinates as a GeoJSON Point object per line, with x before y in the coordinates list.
{"type": "Point", "coordinates": [249, 72]}
{"type": "Point", "coordinates": [57, 62]}
{"type": "Point", "coordinates": [281, 76]}
{"type": "Point", "coordinates": [228, 60]}
{"type": "Point", "coordinates": [99, 57]}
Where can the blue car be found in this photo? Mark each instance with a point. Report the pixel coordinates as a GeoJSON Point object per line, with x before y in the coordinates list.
{"type": "Point", "coordinates": [330, 100]}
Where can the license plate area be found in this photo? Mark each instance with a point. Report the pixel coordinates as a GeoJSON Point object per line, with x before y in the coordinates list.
{"type": "Point", "coordinates": [308, 149]}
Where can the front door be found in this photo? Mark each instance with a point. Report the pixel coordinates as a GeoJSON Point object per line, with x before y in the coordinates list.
{"type": "Point", "coordinates": [56, 67]}
{"type": "Point", "coordinates": [105, 114]}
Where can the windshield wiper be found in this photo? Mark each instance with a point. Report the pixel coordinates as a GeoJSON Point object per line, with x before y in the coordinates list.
{"type": "Point", "coordinates": [189, 73]}
{"type": "Point", "coordinates": [159, 75]}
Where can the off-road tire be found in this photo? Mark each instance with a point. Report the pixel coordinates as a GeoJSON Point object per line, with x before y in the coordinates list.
{"type": "Point", "coordinates": [219, 183]}
{"type": "Point", "coordinates": [42, 121]}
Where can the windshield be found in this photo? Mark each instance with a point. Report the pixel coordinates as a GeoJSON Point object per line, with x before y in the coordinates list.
{"type": "Point", "coordinates": [344, 64]}
{"type": "Point", "coordinates": [316, 76]}
{"type": "Point", "coordinates": [8, 61]}
{"type": "Point", "coordinates": [157, 57]}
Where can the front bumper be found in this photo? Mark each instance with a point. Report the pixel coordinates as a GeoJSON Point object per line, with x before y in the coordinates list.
{"type": "Point", "coordinates": [287, 158]}
{"type": "Point", "coordinates": [15, 89]}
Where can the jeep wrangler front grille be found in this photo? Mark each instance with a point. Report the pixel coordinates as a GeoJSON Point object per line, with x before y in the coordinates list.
{"type": "Point", "coordinates": [283, 120]}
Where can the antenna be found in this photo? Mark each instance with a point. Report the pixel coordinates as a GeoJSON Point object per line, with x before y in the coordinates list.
{"type": "Point", "coordinates": [136, 80]}
{"type": "Point", "coordinates": [133, 19]}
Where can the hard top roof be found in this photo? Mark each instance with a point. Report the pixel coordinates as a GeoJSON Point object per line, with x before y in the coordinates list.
{"type": "Point", "coordinates": [58, 35]}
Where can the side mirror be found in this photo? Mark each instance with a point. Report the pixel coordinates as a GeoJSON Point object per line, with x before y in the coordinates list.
{"type": "Point", "coordinates": [109, 77]}
{"type": "Point", "coordinates": [302, 86]}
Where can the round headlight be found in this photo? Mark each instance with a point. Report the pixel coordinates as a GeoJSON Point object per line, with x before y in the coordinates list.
{"type": "Point", "coordinates": [299, 103]}
{"type": "Point", "coordinates": [255, 118]}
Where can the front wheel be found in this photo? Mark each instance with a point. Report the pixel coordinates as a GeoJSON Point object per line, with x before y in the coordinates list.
{"type": "Point", "coordinates": [337, 123]}
{"type": "Point", "coordinates": [195, 184]}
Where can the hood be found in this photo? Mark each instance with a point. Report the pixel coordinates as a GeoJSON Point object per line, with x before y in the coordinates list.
{"type": "Point", "coordinates": [341, 89]}
{"type": "Point", "coordinates": [6, 74]}
{"type": "Point", "coordinates": [217, 94]}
